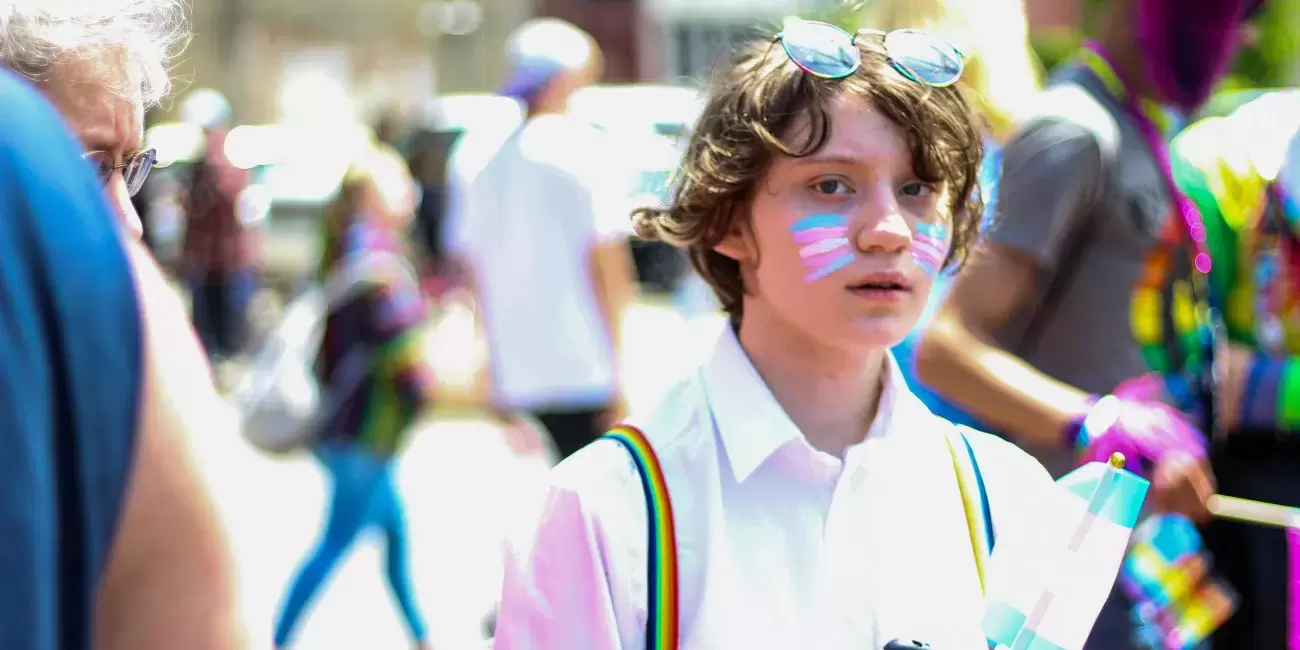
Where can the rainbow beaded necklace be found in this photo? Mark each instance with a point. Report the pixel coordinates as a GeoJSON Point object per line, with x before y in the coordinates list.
{"type": "Point", "coordinates": [1170, 310]}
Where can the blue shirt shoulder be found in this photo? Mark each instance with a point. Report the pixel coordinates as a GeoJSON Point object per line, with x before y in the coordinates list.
{"type": "Point", "coordinates": [71, 377]}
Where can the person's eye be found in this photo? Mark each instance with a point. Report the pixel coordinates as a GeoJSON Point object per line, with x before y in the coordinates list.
{"type": "Point", "coordinates": [917, 189]}
{"type": "Point", "coordinates": [832, 186]}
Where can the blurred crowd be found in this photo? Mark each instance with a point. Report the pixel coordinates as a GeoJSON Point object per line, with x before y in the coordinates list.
{"type": "Point", "coordinates": [1123, 284]}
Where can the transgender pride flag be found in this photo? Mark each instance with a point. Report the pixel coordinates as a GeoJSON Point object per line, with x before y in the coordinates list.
{"type": "Point", "coordinates": [1046, 593]}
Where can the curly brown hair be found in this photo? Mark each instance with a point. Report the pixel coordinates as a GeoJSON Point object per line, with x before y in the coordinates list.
{"type": "Point", "coordinates": [753, 104]}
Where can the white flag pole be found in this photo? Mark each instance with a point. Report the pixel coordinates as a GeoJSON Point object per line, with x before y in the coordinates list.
{"type": "Point", "coordinates": [1254, 512]}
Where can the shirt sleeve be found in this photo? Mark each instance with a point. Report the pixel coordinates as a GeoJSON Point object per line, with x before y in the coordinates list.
{"type": "Point", "coordinates": [1052, 173]}
{"type": "Point", "coordinates": [577, 582]}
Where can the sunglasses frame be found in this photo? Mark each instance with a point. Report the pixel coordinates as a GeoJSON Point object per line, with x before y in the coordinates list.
{"type": "Point", "coordinates": [129, 159]}
{"type": "Point", "coordinates": [852, 44]}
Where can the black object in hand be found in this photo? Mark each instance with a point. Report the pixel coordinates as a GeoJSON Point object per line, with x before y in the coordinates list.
{"type": "Point", "coordinates": [907, 644]}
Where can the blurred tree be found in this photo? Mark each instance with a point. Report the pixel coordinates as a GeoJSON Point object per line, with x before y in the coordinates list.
{"type": "Point", "coordinates": [1273, 59]}
{"type": "Point", "coordinates": [1270, 59]}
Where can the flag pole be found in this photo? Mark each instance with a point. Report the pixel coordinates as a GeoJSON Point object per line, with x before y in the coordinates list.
{"type": "Point", "coordinates": [1271, 514]}
{"type": "Point", "coordinates": [1254, 512]}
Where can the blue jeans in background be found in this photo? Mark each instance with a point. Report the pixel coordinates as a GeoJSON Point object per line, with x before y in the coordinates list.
{"type": "Point", "coordinates": [364, 497]}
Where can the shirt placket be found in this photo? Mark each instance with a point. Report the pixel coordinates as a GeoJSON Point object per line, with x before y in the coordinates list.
{"type": "Point", "coordinates": [846, 595]}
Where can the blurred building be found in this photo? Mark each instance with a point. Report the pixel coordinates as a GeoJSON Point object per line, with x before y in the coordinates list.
{"type": "Point", "coordinates": [331, 58]}
{"type": "Point", "coordinates": [328, 58]}
{"type": "Point", "coordinates": [682, 38]}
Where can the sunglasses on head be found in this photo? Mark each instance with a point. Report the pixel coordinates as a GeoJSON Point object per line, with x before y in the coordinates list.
{"type": "Point", "coordinates": [830, 52]}
{"type": "Point", "coordinates": [135, 167]}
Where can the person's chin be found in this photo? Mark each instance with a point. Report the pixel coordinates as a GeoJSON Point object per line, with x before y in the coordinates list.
{"type": "Point", "coordinates": [881, 331]}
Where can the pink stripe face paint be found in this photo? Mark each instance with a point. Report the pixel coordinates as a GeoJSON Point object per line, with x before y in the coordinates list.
{"type": "Point", "coordinates": [824, 244]}
{"type": "Point", "coordinates": [930, 247]}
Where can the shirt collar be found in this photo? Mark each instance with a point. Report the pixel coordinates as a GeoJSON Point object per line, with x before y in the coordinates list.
{"type": "Point", "coordinates": [750, 422]}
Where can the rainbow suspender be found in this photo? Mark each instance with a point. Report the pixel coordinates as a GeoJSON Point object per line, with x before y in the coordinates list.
{"type": "Point", "coordinates": [662, 617]}
{"type": "Point", "coordinates": [662, 606]}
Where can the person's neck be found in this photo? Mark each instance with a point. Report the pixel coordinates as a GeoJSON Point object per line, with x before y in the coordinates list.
{"type": "Point", "coordinates": [830, 393]}
{"type": "Point", "coordinates": [535, 114]}
{"type": "Point", "coordinates": [548, 104]}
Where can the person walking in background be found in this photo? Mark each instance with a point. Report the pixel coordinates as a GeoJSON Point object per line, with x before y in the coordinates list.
{"type": "Point", "coordinates": [544, 235]}
{"type": "Point", "coordinates": [1037, 337]}
{"type": "Point", "coordinates": [371, 368]}
{"type": "Point", "coordinates": [219, 250]}
{"type": "Point", "coordinates": [1002, 76]}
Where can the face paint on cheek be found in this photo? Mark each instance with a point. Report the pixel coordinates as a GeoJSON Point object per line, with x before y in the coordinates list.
{"type": "Point", "coordinates": [823, 244]}
{"type": "Point", "coordinates": [930, 247]}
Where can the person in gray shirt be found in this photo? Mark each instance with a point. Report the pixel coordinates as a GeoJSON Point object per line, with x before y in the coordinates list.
{"type": "Point", "coordinates": [1036, 336]}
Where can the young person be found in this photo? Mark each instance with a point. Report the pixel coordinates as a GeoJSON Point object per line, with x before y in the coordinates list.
{"type": "Point", "coordinates": [370, 363]}
{"type": "Point", "coordinates": [812, 496]}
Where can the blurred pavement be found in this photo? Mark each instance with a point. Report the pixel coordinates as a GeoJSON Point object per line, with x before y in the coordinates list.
{"type": "Point", "coordinates": [462, 484]}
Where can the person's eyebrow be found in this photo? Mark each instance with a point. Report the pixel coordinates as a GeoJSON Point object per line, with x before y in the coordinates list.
{"type": "Point", "coordinates": [831, 159]}
{"type": "Point", "coordinates": [842, 159]}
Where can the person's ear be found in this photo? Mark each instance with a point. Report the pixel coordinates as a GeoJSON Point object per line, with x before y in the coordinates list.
{"type": "Point", "coordinates": [738, 244]}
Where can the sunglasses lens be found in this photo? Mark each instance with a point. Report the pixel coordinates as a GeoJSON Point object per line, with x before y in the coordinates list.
{"type": "Point", "coordinates": [137, 170]}
{"type": "Point", "coordinates": [821, 49]}
{"type": "Point", "coordinates": [930, 60]}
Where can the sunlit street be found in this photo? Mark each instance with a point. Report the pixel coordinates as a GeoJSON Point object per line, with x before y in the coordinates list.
{"type": "Point", "coordinates": [463, 485]}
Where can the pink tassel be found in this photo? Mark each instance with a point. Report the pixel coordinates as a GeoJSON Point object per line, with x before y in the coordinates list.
{"type": "Point", "coordinates": [1293, 592]}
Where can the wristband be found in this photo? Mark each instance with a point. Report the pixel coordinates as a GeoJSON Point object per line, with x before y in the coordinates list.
{"type": "Point", "coordinates": [1101, 418]}
{"type": "Point", "coordinates": [1075, 434]}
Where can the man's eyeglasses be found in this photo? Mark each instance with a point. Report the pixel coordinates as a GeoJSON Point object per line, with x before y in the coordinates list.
{"type": "Point", "coordinates": [827, 51]}
{"type": "Point", "coordinates": [135, 167]}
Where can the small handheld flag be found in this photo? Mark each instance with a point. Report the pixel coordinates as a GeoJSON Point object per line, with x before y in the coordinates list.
{"type": "Point", "coordinates": [1045, 593]}
{"type": "Point", "coordinates": [1178, 601]}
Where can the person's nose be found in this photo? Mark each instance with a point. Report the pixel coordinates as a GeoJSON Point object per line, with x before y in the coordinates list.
{"type": "Point", "coordinates": [881, 226]}
{"type": "Point", "coordinates": [119, 199]}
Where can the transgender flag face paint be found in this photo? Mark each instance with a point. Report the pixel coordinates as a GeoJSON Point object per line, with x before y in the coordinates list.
{"type": "Point", "coordinates": [930, 247]}
{"type": "Point", "coordinates": [823, 244]}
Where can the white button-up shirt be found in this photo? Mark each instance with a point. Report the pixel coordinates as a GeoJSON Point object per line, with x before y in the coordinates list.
{"type": "Point", "coordinates": [780, 545]}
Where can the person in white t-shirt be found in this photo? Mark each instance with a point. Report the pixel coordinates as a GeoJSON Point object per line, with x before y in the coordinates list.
{"type": "Point", "coordinates": [545, 237]}
{"type": "Point", "coordinates": [814, 502]}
